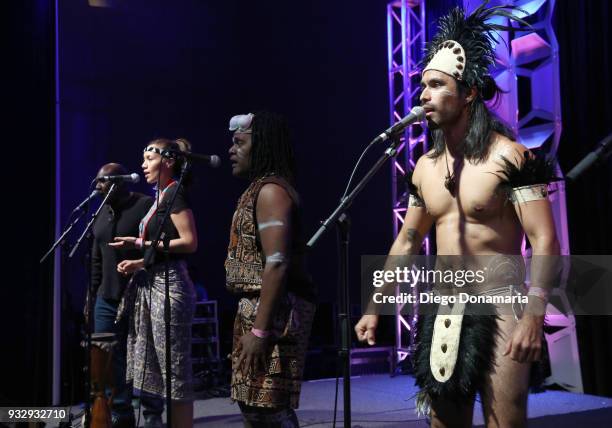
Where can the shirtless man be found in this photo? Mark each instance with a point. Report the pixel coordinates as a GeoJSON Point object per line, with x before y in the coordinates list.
{"type": "Point", "coordinates": [459, 191]}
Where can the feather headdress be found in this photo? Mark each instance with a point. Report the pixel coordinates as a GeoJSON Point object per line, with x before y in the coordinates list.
{"type": "Point", "coordinates": [464, 46]}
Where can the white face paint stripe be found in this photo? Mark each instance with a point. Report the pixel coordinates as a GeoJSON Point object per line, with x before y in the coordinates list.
{"type": "Point", "coordinates": [271, 223]}
{"type": "Point", "coordinates": [277, 257]}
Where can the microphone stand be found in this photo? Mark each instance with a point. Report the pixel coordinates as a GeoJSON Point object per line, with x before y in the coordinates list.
{"type": "Point", "coordinates": [66, 231]}
{"type": "Point", "coordinates": [60, 241]}
{"type": "Point", "coordinates": [90, 293]}
{"type": "Point", "coordinates": [91, 221]}
{"type": "Point", "coordinates": [341, 220]}
{"type": "Point", "coordinates": [149, 258]}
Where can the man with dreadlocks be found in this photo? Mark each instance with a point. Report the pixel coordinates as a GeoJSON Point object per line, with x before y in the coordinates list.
{"type": "Point", "coordinates": [476, 211]}
{"type": "Point", "coordinates": [265, 268]}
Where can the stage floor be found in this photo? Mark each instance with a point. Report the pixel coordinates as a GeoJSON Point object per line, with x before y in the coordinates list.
{"type": "Point", "coordinates": [381, 401]}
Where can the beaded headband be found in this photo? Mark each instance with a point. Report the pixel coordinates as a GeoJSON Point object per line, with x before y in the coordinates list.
{"type": "Point", "coordinates": [163, 153]}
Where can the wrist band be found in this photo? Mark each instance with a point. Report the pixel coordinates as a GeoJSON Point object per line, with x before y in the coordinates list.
{"type": "Point", "coordinates": [540, 292]}
{"type": "Point", "coordinates": [139, 243]}
{"type": "Point", "coordinates": [262, 334]}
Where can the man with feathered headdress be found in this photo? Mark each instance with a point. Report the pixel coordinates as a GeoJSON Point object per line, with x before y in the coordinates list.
{"type": "Point", "coordinates": [483, 191]}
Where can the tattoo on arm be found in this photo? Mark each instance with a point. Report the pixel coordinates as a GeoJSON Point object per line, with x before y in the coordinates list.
{"type": "Point", "coordinates": [413, 236]}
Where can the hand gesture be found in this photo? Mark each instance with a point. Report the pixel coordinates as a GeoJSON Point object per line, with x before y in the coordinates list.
{"type": "Point", "coordinates": [125, 242]}
{"type": "Point", "coordinates": [128, 267]}
{"type": "Point", "coordinates": [366, 328]}
{"type": "Point", "coordinates": [252, 356]}
{"type": "Point", "coordinates": [525, 343]}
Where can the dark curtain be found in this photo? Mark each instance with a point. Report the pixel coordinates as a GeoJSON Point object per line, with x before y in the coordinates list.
{"type": "Point", "coordinates": [583, 32]}
{"type": "Point", "coordinates": [28, 193]}
{"type": "Point", "coordinates": [138, 70]}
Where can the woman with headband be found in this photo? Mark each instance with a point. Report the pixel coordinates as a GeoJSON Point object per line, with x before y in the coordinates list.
{"type": "Point", "coordinates": [162, 165]}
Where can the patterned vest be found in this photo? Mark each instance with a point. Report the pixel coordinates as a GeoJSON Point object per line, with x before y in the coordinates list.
{"type": "Point", "coordinates": [244, 264]}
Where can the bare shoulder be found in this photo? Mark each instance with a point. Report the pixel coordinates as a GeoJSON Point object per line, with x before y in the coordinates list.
{"type": "Point", "coordinates": [423, 165]}
{"type": "Point", "coordinates": [273, 196]}
{"type": "Point", "coordinates": [505, 148]}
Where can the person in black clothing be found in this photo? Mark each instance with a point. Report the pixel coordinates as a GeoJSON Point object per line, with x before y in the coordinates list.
{"type": "Point", "coordinates": [120, 215]}
{"type": "Point", "coordinates": [146, 339]}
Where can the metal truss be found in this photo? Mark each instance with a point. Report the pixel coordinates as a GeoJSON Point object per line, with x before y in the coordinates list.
{"type": "Point", "coordinates": [406, 46]}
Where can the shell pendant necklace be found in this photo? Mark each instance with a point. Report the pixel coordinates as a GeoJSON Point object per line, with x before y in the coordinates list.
{"type": "Point", "coordinates": [450, 181]}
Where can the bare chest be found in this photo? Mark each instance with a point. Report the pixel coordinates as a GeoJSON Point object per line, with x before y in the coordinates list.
{"type": "Point", "coordinates": [478, 195]}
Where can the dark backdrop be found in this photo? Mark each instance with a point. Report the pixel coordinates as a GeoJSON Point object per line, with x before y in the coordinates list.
{"type": "Point", "coordinates": [583, 31]}
{"type": "Point", "coordinates": [147, 69]}
{"type": "Point", "coordinates": [28, 134]}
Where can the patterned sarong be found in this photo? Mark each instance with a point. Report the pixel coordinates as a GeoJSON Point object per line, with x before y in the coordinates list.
{"type": "Point", "coordinates": [146, 358]}
{"type": "Point", "coordinates": [280, 385]}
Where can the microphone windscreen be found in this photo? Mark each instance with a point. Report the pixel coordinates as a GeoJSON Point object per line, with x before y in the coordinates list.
{"type": "Point", "coordinates": [419, 112]}
{"type": "Point", "coordinates": [215, 161]}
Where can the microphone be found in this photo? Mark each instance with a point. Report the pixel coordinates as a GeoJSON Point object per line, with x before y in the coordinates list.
{"type": "Point", "coordinates": [127, 178]}
{"type": "Point", "coordinates": [598, 155]}
{"type": "Point", "coordinates": [417, 114]}
{"type": "Point", "coordinates": [211, 160]}
{"type": "Point", "coordinates": [86, 200]}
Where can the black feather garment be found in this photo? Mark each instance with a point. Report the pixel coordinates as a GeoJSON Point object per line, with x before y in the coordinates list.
{"type": "Point", "coordinates": [535, 169]}
{"type": "Point", "coordinates": [475, 358]}
{"type": "Point", "coordinates": [410, 187]}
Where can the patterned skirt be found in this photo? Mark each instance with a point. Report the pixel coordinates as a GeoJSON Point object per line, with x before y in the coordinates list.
{"type": "Point", "coordinates": [146, 344]}
{"type": "Point", "coordinates": [279, 385]}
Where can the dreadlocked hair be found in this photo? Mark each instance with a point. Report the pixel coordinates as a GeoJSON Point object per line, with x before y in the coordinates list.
{"type": "Point", "coordinates": [272, 152]}
{"type": "Point", "coordinates": [477, 37]}
{"type": "Point", "coordinates": [177, 146]}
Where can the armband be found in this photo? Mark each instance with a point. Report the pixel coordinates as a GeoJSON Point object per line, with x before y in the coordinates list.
{"type": "Point", "coordinates": [534, 192]}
